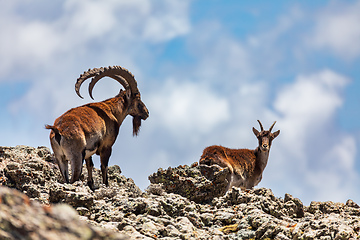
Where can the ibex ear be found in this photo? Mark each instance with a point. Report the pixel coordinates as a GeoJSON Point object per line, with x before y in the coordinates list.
{"type": "Point", "coordinates": [256, 132]}
{"type": "Point", "coordinates": [275, 134]}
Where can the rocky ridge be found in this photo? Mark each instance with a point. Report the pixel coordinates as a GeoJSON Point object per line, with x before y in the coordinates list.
{"type": "Point", "coordinates": [186, 202]}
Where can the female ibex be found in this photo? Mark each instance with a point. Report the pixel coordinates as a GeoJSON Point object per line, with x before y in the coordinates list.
{"type": "Point", "coordinates": [246, 166]}
{"type": "Point", "coordinates": [92, 128]}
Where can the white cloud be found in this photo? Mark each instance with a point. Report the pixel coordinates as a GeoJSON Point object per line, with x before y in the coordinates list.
{"type": "Point", "coordinates": [308, 104]}
{"type": "Point", "coordinates": [316, 158]}
{"type": "Point", "coordinates": [36, 40]}
{"type": "Point", "coordinates": [32, 42]}
{"type": "Point", "coordinates": [312, 99]}
{"type": "Point", "coordinates": [337, 29]}
{"type": "Point", "coordinates": [187, 107]}
{"type": "Point", "coordinates": [94, 17]}
{"type": "Point", "coordinates": [344, 152]}
{"type": "Point", "coordinates": [49, 52]}
{"type": "Point", "coordinates": [222, 59]}
{"type": "Point", "coordinates": [135, 20]}
{"type": "Point", "coordinates": [25, 43]}
{"type": "Point", "coordinates": [167, 21]}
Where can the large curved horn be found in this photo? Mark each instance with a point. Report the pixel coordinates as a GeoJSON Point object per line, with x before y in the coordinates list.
{"type": "Point", "coordinates": [261, 126]}
{"type": "Point", "coordinates": [272, 126]}
{"type": "Point", "coordinates": [103, 73]}
{"type": "Point", "coordinates": [128, 76]}
{"type": "Point", "coordinates": [88, 74]}
{"type": "Point", "coordinates": [122, 75]}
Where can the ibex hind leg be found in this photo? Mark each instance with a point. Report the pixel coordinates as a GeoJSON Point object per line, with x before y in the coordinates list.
{"type": "Point", "coordinates": [60, 157]}
{"type": "Point", "coordinates": [90, 166]}
{"type": "Point", "coordinates": [63, 166]}
{"type": "Point", "coordinates": [76, 167]}
{"type": "Point", "coordinates": [104, 158]}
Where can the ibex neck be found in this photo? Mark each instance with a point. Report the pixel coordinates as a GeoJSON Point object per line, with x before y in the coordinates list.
{"type": "Point", "coordinates": [261, 158]}
{"type": "Point", "coordinates": [118, 108]}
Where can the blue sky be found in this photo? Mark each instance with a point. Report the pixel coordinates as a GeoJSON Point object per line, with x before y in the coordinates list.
{"type": "Point", "coordinates": [207, 70]}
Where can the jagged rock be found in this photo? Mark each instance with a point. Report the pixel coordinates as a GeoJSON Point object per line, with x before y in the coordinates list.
{"type": "Point", "coordinates": [186, 202]}
{"type": "Point", "coordinates": [257, 213]}
{"type": "Point", "coordinates": [34, 172]}
{"type": "Point", "coordinates": [199, 183]}
{"type": "Point", "coordinates": [21, 218]}
{"type": "Point", "coordinates": [28, 170]}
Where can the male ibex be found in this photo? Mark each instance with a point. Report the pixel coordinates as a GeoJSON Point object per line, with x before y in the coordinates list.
{"type": "Point", "coordinates": [246, 166]}
{"type": "Point", "coordinates": [92, 128]}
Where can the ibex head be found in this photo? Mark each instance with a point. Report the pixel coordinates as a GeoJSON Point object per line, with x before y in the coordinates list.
{"type": "Point", "coordinates": [136, 108]}
{"type": "Point", "coordinates": [265, 137]}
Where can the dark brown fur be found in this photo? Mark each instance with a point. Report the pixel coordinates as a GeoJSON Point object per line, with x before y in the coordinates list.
{"type": "Point", "coordinates": [93, 128]}
{"type": "Point", "coordinates": [136, 125]}
{"type": "Point", "coordinates": [224, 157]}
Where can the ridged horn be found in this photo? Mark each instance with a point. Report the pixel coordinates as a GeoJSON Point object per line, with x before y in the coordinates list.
{"type": "Point", "coordinates": [261, 126]}
{"type": "Point", "coordinates": [88, 74]}
{"type": "Point", "coordinates": [122, 75]}
{"type": "Point", "coordinates": [270, 129]}
{"type": "Point", "coordinates": [129, 77]}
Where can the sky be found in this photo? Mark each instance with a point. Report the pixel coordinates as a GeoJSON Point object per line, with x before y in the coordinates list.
{"type": "Point", "coordinates": [206, 70]}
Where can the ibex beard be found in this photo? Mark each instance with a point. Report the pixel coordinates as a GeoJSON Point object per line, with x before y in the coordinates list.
{"type": "Point", "coordinates": [136, 125]}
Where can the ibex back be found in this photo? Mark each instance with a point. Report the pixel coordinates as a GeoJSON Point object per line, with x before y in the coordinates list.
{"type": "Point", "coordinates": [246, 166]}
{"type": "Point", "coordinates": [93, 128]}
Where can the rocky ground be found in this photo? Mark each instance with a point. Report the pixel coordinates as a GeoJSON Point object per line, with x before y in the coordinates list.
{"type": "Point", "coordinates": [186, 202]}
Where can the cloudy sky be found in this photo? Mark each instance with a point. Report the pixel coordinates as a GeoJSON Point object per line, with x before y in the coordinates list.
{"type": "Point", "coordinates": [207, 70]}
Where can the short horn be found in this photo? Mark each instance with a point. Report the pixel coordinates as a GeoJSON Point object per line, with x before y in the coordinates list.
{"type": "Point", "coordinates": [261, 126]}
{"type": "Point", "coordinates": [272, 126]}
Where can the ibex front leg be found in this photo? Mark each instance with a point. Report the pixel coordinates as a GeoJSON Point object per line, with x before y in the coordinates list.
{"type": "Point", "coordinates": [104, 158]}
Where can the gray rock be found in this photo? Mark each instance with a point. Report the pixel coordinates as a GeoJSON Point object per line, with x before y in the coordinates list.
{"type": "Point", "coordinates": [186, 202]}
{"type": "Point", "coordinates": [22, 218]}
{"type": "Point", "coordinates": [199, 183]}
